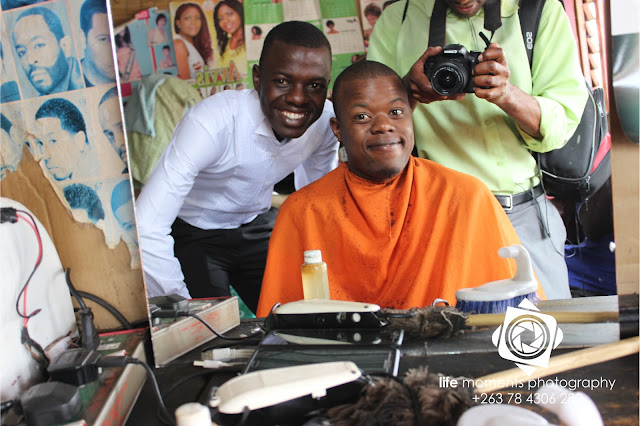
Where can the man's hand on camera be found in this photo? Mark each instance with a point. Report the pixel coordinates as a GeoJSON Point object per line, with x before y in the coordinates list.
{"type": "Point", "coordinates": [491, 75]}
{"type": "Point", "coordinates": [419, 86]}
{"type": "Point", "coordinates": [491, 79]}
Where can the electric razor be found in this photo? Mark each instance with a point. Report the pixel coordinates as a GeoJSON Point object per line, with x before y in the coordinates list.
{"type": "Point", "coordinates": [322, 313]}
{"type": "Point", "coordinates": [286, 395]}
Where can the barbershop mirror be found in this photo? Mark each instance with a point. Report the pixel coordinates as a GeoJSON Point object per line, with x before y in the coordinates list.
{"type": "Point", "coordinates": [600, 207]}
{"type": "Point", "coordinates": [83, 194]}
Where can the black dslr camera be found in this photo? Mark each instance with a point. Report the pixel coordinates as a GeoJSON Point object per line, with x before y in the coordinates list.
{"type": "Point", "coordinates": [450, 72]}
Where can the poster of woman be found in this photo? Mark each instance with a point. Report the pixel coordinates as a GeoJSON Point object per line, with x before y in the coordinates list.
{"type": "Point", "coordinates": [209, 42]}
{"type": "Point", "coordinates": [228, 19]}
{"type": "Point", "coordinates": [192, 40]}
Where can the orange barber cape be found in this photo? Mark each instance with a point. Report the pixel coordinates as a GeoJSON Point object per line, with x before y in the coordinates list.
{"type": "Point", "coordinates": [400, 244]}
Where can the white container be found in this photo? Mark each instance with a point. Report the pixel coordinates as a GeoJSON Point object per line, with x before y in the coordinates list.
{"type": "Point", "coordinates": [193, 414]}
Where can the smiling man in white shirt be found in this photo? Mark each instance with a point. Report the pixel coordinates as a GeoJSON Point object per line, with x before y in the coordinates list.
{"type": "Point", "coordinates": [205, 215]}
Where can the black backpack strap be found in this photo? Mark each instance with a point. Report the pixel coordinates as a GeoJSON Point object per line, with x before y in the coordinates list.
{"type": "Point", "coordinates": [437, 23]}
{"type": "Point", "coordinates": [529, 13]}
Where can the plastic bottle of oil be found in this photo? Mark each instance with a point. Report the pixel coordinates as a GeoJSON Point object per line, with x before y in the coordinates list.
{"type": "Point", "coordinates": [315, 282]}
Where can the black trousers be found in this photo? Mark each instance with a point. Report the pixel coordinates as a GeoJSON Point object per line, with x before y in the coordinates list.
{"type": "Point", "coordinates": [213, 260]}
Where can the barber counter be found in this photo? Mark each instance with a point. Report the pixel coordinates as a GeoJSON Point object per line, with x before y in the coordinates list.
{"type": "Point", "coordinates": [471, 356]}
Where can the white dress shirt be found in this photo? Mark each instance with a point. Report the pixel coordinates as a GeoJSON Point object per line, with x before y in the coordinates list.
{"type": "Point", "coordinates": [218, 172]}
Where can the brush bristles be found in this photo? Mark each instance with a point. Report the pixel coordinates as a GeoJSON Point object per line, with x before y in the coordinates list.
{"type": "Point", "coordinates": [494, 306]}
{"type": "Point", "coordinates": [427, 323]}
{"type": "Point", "coordinates": [390, 402]}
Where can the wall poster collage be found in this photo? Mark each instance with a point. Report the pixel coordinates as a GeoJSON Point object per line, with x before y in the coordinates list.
{"type": "Point", "coordinates": [59, 99]}
{"type": "Point", "coordinates": [338, 19]}
{"type": "Point", "coordinates": [201, 41]}
{"type": "Point", "coordinates": [215, 43]}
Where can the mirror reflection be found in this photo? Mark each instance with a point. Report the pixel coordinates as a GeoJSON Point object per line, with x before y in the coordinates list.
{"type": "Point", "coordinates": [584, 242]}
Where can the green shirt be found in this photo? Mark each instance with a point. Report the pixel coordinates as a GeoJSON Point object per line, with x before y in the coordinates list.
{"type": "Point", "coordinates": [475, 136]}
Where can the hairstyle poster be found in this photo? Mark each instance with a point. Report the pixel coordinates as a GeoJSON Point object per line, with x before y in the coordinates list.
{"type": "Point", "coordinates": [61, 107]}
{"type": "Point", "coordinates": [42, 49]}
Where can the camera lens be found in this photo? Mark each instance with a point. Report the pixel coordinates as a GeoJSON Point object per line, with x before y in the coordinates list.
{"type": "Point", "coordinates": [448, 80]}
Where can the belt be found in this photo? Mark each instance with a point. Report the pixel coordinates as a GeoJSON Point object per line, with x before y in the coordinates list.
{"type": "Point", "coordinates": [508, 201]}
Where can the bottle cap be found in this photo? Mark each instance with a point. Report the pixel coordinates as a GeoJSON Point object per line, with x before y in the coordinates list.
{"type": "Point", "coordinates": [312, 256]}
{"type": "Point", "coordinates": [193, 414]}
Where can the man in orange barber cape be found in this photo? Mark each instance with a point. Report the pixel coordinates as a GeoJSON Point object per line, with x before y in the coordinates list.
{"type": "Point", "coordinates": [394, 230]}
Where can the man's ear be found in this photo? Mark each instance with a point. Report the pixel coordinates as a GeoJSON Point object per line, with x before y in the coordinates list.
{"type": "Point", "coordinates": [335, 127]}
{"type": "Point", "coordinates": [256, 77]}
{"type": "Point", "coordinates": [80, 141]}
{"type": "Point", "coordinates": [66, 46]}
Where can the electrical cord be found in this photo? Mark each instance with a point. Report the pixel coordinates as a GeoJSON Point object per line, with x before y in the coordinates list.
{"type": "Point", "coordinates": [121, 361]}
{"type": "Point", "coordinates": [166, 313]}
{"type": "Point", "coordinates": [156, 389]}
{"type": "Point", "coordinates": [12, 215]}
{"type": "Point", "coordinates": [23, 292]}
{"type": "Point", "coordinates": [110, 308]}
{"type": "Point", "coordinates": [72, 289]}
{"type": "Point", "coordinates": [269, 321]}
{"type": "Point", "coordinates": [206, 324]}
{"type": "Point", "coordinates": [34, 348]}
{"type": "Point", "coordinates": [90, 338]}
{"type": "Point", "coordinates": [79, 295]}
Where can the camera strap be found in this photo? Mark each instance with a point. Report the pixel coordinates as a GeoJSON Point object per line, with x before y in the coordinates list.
{"type": "Point", "coordinates": [492, 20]}
{"type": "Point", "coordinates": [438, 23]}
